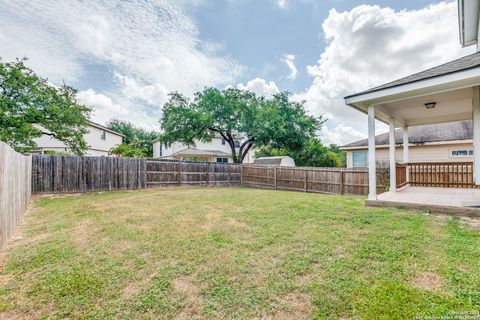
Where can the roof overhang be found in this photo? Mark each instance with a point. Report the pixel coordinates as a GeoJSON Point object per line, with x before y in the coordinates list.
{"type": "Point", "coordinates": [413, 92]}
{"type": "Point", "coordinates": [99, 126]}
{"type": "Point", "coordinates": [468, 21]}
{"type": "Point", "coordinates": [431, 143]}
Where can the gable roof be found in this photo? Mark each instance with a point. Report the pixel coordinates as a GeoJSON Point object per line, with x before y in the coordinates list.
{"type": "Point", "coordinates": [449, 131]}
{"type": "Point", "coordinates": [270, 160]}
{"type": "Point", "coordinates": [461, 64]}
{"type": "Point", "coordinates": [200, 152]}
{"type": "Point", "coordinates": [99, 126]}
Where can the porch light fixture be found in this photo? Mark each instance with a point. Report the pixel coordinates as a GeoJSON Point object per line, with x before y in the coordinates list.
{"type": "Point", "coordinates": [430, 105]}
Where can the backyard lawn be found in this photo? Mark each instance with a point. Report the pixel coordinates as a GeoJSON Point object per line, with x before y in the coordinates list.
{"type": "Point", "coordinates": [236, 253]}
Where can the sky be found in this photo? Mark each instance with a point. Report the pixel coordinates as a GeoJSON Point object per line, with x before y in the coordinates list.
{"type": "Point", "coordinates": [124, 57]}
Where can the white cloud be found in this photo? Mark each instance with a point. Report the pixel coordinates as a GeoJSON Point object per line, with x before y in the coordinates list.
{"type": "Point", "coordinates": [281, 3]}
{"type": "Point", "coordinates": [340, 135]}
{"type": "Point", "coordinates": [260, 87]}
{"type": "Point", "coordinates": [154, 94]}
{"type": "Point", "coordinates": [369, 45]}
{"type": "Point", "coordinates": [289, 58]}
{"type": "Point", "coordinates": [106, 107]}
{"type": "Point", "coordinates": [153, 45]}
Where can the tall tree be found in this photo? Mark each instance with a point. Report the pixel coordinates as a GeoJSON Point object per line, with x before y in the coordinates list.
{"type": "Point", "coordinates": [237, 115]}
{"type": "Point", "coordinates": [313, 154]}
{"type": "Point", "coordinates": [135, 137]}
{"type": "Point", "coordinates": [31, 107]}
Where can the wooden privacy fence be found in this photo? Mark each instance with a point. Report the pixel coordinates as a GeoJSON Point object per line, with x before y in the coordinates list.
{"type": "Point", "coordinates": [59, 174]}
{"type": "Point", "coordinates": [15, 190]}
{"type": "Point", "coordinates": [162, 173]}
{"type": "Point", "coordinates": [435, 174]}
{"type": "Point", "coordinates": [320, 180]}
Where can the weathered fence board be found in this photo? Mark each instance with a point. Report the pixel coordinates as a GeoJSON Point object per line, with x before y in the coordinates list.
{"type": "Point", "coordinates": [163, 173]}
{"type": "Point", "coordinates": [307, 179]}
{"type": "Point", "coordinates": [15, 189]}
{"type": "Point", "coordinates": [59, 174]}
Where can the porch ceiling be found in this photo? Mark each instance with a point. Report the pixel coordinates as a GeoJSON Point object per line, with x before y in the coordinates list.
{"type": "Point", "coordinates": [450, 106]}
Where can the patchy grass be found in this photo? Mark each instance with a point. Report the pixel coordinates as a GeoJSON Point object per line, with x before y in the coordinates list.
{"type": "Point", "coordinates": [192, 253]}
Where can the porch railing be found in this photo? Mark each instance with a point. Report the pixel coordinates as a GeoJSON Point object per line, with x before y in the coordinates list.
{"type": "Point", "coordinates": [436, 174]}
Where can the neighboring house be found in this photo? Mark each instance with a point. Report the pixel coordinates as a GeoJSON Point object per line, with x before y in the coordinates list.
{"type": "Point", "coordinates": [218, 150]}
{"type": "Point", "coordinates": [445, 93]}
{"type": "Point", "coordinates": [441, 142]}
{"type": "Point", "coordinates": [281, 161]}
{"type": "Point", "coordinates": [100, 141]}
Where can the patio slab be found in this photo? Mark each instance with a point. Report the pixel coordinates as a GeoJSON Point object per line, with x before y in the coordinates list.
{"type": "Point", "coordinates": [454, 201]}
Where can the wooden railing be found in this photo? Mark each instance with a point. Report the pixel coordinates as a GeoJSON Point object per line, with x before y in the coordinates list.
{"type": "Point", "coordinates": [436, 174]}
{"type": "Point", "coordinates": [401, 174]}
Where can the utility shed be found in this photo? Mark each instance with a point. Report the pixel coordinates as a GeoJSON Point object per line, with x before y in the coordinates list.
{"type": "Point", "coordinates": [283, 161]}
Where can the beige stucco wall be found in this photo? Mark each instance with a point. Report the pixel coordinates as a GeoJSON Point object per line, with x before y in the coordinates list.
{"type": "Point", "coordinates": [421, 153]}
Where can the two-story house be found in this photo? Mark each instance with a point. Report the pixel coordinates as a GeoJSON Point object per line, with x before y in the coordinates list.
{"type": "Point", "coordinates": [100, 141]}
{"type": "Point", "coordinates": [217, 150]}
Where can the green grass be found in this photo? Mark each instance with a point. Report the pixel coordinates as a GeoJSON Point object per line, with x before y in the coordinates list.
{"type": "Point", "coordinates": [236, 253]}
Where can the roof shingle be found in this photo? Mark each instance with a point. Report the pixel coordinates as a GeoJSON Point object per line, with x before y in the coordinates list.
{"type": "Point", "coordinates": [464, 63]}
{"type": "Point", "coordinates": [449, 131]}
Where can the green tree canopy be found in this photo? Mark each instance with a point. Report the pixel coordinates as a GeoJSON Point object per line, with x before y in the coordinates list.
{"type": "Point", "coordinates": [237, 115]}
{"type": "Point", "coordinates": [30, 107]}
{"type": "Point", "coordinates": [135, 138]}
{"type": "Point", "coordinates": [134, 149]}
{"type": "Point", "coordinates": [313, 154]}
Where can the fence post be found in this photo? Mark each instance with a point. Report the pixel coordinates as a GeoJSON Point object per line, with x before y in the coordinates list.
{"type": "Point", "coordinates": [305, 183]}
{"type": "Point", "coordinates": [206, 176]}
{"type": "Point", "coordinates": [179, 173]}
{"type": "Point", "coordinates": [241, 174]}
{"type": "Point", "coordinates": [342, 182]}
{"type": "Point", "coordinates": [275, 177]}
{"type": "Point", "coordinates": [229, 174]}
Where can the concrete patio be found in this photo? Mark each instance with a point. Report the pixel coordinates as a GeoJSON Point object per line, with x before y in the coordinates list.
{"type": "Point", "coordinates": [456, 201]}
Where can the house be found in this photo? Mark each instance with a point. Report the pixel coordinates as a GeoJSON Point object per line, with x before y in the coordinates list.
{"type": "Point", "coordinates": [440, 142]}
{"type": "Point", "coordinates": [282, 161]}
{"type": "Point", "coordinates": [100, 141]}
{"type": "Point", "coordinates": [445, 93]}
{"type": "Point", "coordinates": [218, 150]}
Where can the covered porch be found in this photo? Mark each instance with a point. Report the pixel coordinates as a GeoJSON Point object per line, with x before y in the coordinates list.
{"type": "Point", "coordinates": [454, 201]}
{"type": "Point", "coordinates": [446, 93]}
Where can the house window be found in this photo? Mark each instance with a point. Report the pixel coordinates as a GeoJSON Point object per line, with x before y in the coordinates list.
{"type": "Point", "coordinates": [237, 144]}
{"type": "Point", "coordinates": [223, 141]}
{"type": "Point", "coordinates": [103, 135]}
{"type": "Point", "coordinates": [360, 159]}
{"type": "Point", "coordinates": [222, 160]}
{"type": "Point", "coordinates": [161, 150]}
{"type": "Point", "coordinates": [462, 153]}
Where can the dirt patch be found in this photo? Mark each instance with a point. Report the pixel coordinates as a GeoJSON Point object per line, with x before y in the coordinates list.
{"type": "Point", "coordinates": [211, 220]}
{"type": "Point", "coordinates": [427, 281]}
{"type": "Point", "coordinates": [82, 232]}
{"type": "Point", "coordinates": [136, 287]}
{"type": "Point", "coordinates": [472, 222]}
{"type": "Point", "coordinates": [295, 305]}
{"type": "Point", "coordinates": [186, 287]}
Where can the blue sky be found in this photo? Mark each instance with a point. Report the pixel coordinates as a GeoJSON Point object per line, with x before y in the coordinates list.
{"type": "Point", "coordinates": [125, 56]}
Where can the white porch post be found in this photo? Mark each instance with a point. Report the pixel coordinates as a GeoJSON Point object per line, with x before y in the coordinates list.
{"type": "Point", "coordinates": [372, 166]}
{"type": "Point", "coordinates": [393, 165]}
{"type": "Point", "coordinates": [405, 150]}
{"type": "Point", "coordinates": [476, 134]}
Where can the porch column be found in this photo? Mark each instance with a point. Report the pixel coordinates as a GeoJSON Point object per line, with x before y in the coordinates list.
{"type": "Point", "coordinates": [476, 134]}
{"type": "Point", "coordinates": [372, 166]}
{"type": "Point", "coordinates": [393, 165]}
{"type": "Point", "coordinates": [405, 151]}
